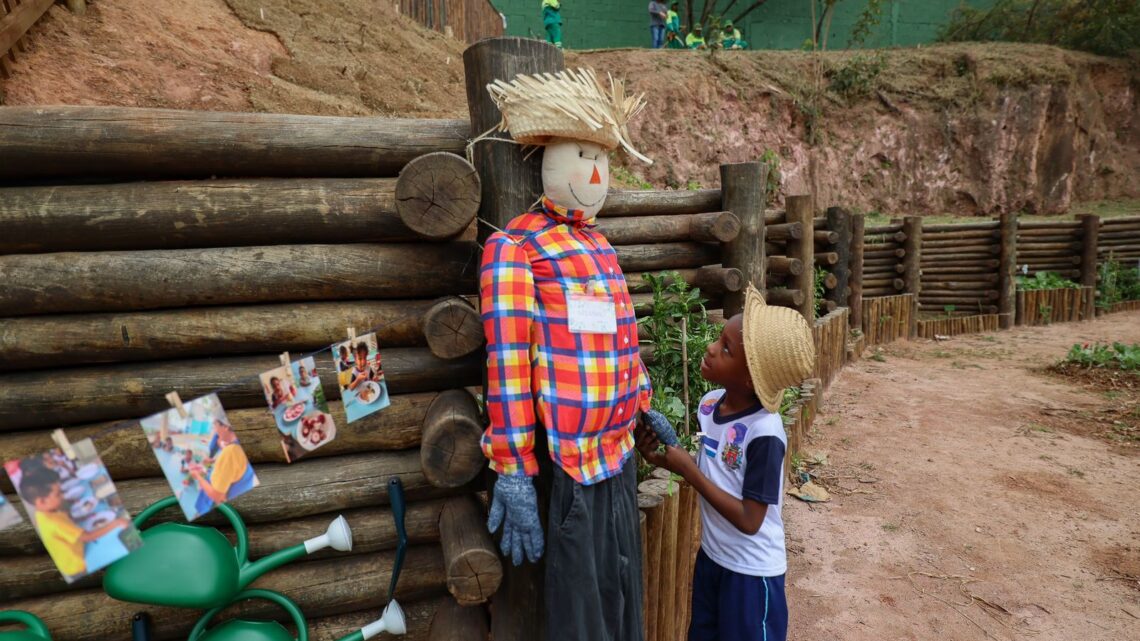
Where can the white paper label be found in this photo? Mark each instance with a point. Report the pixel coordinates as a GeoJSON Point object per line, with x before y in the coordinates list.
{"type": "Point", "coordinates": [591, 314]}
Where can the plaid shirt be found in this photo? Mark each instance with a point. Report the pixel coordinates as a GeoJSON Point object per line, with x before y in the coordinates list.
{"type": "Point", "coordinates": [586, 389]}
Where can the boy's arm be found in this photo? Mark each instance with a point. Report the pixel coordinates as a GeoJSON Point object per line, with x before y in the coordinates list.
{"type": "Point", "coordinates": [100, 532]}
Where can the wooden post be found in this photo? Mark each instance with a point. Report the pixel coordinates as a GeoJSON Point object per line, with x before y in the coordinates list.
{"type": "Point", "coordinates": [469, 557]}
{"type": "Point", "coordinates": [437, 195]}
{"type": "Point", "coordinates": [1007, 268]}
{"type": "Point", "coordinates": [912, 261]}
{"type": "Point", "coordinates": [683, 578]}
{"type": "Point", "coordinates": [450, 452]}
{"type": "Point", "coordinates": [510, 184]}
{"type": "Point", "coordinates": [1090, 239]}
{"type": "Point", "coordinates": [839, 223]}
{"type": "Point", "coordinates": [78, 7]}
{"type": "Point", "coordinates": [453, 328]}
{"type": "Point", "coordinates": [653, 504]}
{"type": "Point", "coordinates": [453, 622]}
{"type": "Point", "coordinates": [668, 585]}
{"type": "Point", "coordinates": [803, 248]}
{"type": "Point", "coordinates": [855, 283]}
{"type": "Point", "coordinates": [742, 193]}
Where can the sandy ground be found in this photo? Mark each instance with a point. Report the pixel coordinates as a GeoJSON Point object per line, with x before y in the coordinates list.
{"type": "Point", "coordinates": [972, 498]}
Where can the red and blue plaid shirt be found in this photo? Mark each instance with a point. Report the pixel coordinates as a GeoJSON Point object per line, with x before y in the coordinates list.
{"type": "Point", "coordinates": [586, 389]}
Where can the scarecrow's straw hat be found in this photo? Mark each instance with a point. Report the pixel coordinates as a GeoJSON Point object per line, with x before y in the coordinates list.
{"type": "Point", "coordinates": [569, 104]}
{"type": "Point", "coordinates": [778, 346]}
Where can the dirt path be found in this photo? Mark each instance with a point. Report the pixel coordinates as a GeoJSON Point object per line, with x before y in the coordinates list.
{"type": "Point", "coordinates": [961, 510]}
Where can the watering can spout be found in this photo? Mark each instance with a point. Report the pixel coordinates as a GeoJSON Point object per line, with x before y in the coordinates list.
{"type": "Point", "coordinates": [392, 622]}
{"type": "Point", "coordinates": [338, 536]}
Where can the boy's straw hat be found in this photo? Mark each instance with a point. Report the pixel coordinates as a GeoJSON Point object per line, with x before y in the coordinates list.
{"type": "Point", "coordinates": [778, 347]}
{"type": "Point", "coordinates": [569, 104]}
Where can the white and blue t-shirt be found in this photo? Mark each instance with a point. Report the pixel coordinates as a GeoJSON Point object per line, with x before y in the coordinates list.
{"type": "Point", "coordinates": [743, 454]}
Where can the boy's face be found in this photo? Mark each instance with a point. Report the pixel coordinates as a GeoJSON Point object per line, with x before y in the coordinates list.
{"type": "Point", "coordinates": [51, 502]}
{"type": "Point", "coordinates": [724, 362]}
{"type": "Point", "coordinates": [362, 355]}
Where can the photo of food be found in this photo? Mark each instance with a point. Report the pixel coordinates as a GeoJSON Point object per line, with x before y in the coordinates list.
{"type": "Point", "coordinates": [200, 455]}
{"type": "Point", "coordinates": [297, 402]}
{"type": "Point", "coordinates": [75, 509]}
{"type": "Point", "coordinates": [360, 376]}
{"type": "Point", "coordinates": [8, 514]}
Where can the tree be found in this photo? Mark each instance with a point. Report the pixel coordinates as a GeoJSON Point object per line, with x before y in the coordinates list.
{"type": "Point", "coordinates": [1107, 27]}
{"type": "Point", "coordinates": [710, 13]}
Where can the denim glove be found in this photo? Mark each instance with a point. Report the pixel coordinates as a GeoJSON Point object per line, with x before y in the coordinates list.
{"type": "Point", "coordinates": [660, 425]}
{"type": "Point", "coordinates": [514, 505]}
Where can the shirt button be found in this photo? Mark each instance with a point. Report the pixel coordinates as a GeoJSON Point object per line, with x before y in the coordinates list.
{"type": "Point", "coordinates": [627, 340]}
{"type": "Point", "coordinates": [627, 376]}
{"type": "Point", "coordinates": [621, 410]}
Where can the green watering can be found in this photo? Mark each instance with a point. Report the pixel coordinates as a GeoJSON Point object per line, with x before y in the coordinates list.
{"type": "Point", "coordinates": [392, 621]}
{"type": "Point", "coordinates": [36, 630]}
{"type": "Point", "coordinates": [193, 566]}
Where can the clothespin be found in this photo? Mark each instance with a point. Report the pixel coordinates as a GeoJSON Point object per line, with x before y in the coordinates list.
{"type": "Point", "coordinates": [176, 402]}
{"type": "Point", "coordinates": [287, 365]}
{"type": "Point", "coordinates": [351, 334]}
{"type": "Point", "coordinates": [61, 441]}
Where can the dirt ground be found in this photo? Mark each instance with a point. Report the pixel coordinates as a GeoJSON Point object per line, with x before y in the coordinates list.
{"type": "Point", "coordinates": [973, 497]}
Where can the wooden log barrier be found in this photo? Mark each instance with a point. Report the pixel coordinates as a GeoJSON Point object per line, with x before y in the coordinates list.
{"type": "Point", "coordinates": [743, 194]}
{"type": "Point", "coordinates": [785, 266]}
{"type": "Point", "coordinates": [40, 342]}
{"type": "Point", "coordinates": [683, 563]}
{"type": "Point", "coordinates": [784, 297]}
{"type": "Point", "coordinates": [784, 232]}
{"type": "Point", "coordinates": [712, 279]}
{"type": "Point", "coordinates": [839, 221]}
{"type": "Point", "coordinates": [373, 530]}
{"type": "Point", "coordinates": [719, 226]}
{"type": "Point", "coordinates": [660, 203]}
{"type": "Point", "coordinates": [887, 319]}
{"type": "Point", "coordinates": [132, 281]}
{"type": "Point", "coordinates": [470, 559]}
{"type": "Point", "coordinates": [52, 142]}
{"type": "Point", "coordinates": [802, 248]}
{"type": "Point", "coordinates": [857, 265]}
{"type": "Point", "coordinates": [652, 504]}
{"type": "Point", "coordinates": [320, 588]}
{"type": "Point", "coordinates": [454, 622]}
{"type": "Point", "coordinates": [438, 195]}
{"type": "Point", "coordinates": [662, 256]}
{"type": "Point", "coordinates": [989, 225]}
{"type": "Point", "coordinates": [824, 237]}
{"type": "Point", "coordinates": [451, 451]}
{"type": "Point", "coordinates": [54, 398]}
{"type": "Point", "coordinates": [667, 587]}
{"type": "Point", "coordinates": [453, 328]}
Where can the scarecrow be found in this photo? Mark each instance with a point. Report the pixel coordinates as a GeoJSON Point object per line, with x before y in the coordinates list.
{"type": "Point", "coordinates": [562, 353]}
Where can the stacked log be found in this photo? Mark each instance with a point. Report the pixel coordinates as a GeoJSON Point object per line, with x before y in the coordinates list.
{"type": "Point", "coordinates": [883, 256]}
{"type": "Point", "coordinates": [954, 326]}
{"type": "Point", "coordinates": [1050, 246]}
{"type": "Point", "coordinates": [887, 319]}
{"type": "Point", "coordinates": [834, 236]}
{"type": "Point", "coordinates": [1119, 240]}
{"type": "Point", "coordinates": [960, 266]}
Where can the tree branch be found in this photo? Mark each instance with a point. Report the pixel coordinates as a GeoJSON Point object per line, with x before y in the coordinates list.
{"type": "Point", "coordinates": [747, 11]}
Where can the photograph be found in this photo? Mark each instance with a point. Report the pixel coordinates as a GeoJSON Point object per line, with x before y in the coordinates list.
{"type": "Point", "coordinates": [299, 408]}
{"type": "Point", "coordinates": [360, 376]}
{"type": "Point", "coordinates": [8, 514]}
{"type": "Point", "coordinates": [75, 509]}
{"type": "Point", "coordinates": [200, 455]}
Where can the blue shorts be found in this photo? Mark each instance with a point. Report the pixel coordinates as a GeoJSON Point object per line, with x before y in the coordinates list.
{"type": "Point", "coordinates": [729, 606]}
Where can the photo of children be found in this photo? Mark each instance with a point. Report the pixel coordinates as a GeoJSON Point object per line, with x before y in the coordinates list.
{"type": "Point", "coordinates": [8, 514]}
{"type": "Point", "coordinates": [75, 509]}
{"type": "Point", "coordinates": [360, 376]}
{"type": "Point", "coordinates": [297, 402]}
{"type": "Point", "coordinates": [200, 455]}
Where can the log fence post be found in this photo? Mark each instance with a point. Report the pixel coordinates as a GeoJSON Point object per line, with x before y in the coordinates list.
{"type": "Point", "coordinates": [839, 223]}
{"type": "Point", "coordinates": [855, 281]}
{"type": "Point", "coordinates": [742, 193]}
{"type": "Point", "coordinates": [1007, 268]}
{"type": "Point", "coordinates": [510, 183]}
{"type": "Point", "coordinates": [912, 262]}
{"type": "Point", "coordinates": [1090, 241]}
{"type": "Point", "coordinates": [803, 248]}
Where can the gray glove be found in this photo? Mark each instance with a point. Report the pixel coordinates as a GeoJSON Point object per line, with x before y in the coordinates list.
{"type": "Point", "coordinates": [660, 425]}
{"type": "Point", "coordinates": [515, 506]}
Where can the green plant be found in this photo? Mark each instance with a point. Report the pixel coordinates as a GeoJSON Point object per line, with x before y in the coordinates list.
{"type": "Point", "coordinates": [674, 300]}
{"type": "Point", "coordinates": [878, 356]}
{"type": "Point", "coordinates": [1107, 27]}
{"type": "Point", "coordinates": [1045, 280]}
{"type": "Point", "coordinates": [1115, 283]}
{"type": "Point", "coordinates": [772, 185]}
{"type": "Point", "coordinates": [624, 176]}
{"type": "Point", "coordinates": [858, 76]}
{"type": "Point", "coordinates": [693, 185]}
{"type": "Point", "coordinates": [1118, 356]}
{"type": "Point", "coordinates": [819, 277]}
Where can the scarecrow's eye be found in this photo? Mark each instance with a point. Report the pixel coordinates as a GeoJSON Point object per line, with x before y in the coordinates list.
{"type": "Point", "coordinates": [581, 154]}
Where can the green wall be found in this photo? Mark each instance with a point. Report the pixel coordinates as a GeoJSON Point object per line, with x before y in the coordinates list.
{"type": "Point", "coordinates": [778, 24]}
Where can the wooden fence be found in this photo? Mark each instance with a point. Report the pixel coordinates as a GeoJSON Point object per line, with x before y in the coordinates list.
{"type": "Point", "coordinates": [16, 18]}
{"type": "Point", "coordinates": [887, 318]}
{"type": "Point", "coordinates": [830, 333]}
{"type": "Point", "coordinates": [468, 20]}
{"type": "Point", "coordinates": [977, 323]}
{"type": "Point", "coordinates": [1047, 306]}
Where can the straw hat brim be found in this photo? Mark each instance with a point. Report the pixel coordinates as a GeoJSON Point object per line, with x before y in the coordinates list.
{"type": "Point", "coordinates": [778, 346]}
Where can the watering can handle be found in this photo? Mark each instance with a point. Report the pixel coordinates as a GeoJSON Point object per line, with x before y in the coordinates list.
{"type": "Point", "coordinates": [231, 515]}
{"type": "Point", "coordinates": [280, 599]}
{"type": "Point", "coordinates": [35, 626]}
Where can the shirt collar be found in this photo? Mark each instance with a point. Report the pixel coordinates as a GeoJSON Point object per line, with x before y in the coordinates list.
{"type": "Point", "coordinates": [573, 217]}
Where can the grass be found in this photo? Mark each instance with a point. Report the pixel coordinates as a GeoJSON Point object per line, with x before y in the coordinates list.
{"type": "Point", "coordinates": [1102, 208]}
{"type": "Point", "coordinates": [878, 356]}
{"type": "Point", "coordinates": [890, 527]}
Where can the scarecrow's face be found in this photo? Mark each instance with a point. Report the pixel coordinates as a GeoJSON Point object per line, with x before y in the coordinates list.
{"type": "Point", "coordinates": [576, 175]}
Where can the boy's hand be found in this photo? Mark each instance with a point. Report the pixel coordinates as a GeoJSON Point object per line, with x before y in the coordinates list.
{"type": "Point", "coordinates": [674, 459]}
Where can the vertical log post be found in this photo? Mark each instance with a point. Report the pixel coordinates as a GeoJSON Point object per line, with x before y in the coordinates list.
{"type": "Point", "coordinates": [855, 297]}
{"type": "Point", "coordinates": [803, 248]}
{"type": "Point", "coordinates": [453, 622]}
{"type": "Point", "coordinates": [509, 185]}
{"type": "Point", "coordinates": [1090, 240]}
{"type": "Point", "coordinates": [912, 274]}
{"type": "Point", "coordinates": [839, 221]}
{"type": "Point", "coordinates": [1007, 268]}
{"type": "Point", "coordinates": [742, 193]}
{"type": "Point", "coordinates": [666, 628]}
{"type": "Point", "coordinates": [653, 505]}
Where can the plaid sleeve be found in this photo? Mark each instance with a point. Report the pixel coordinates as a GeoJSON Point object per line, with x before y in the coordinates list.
{"type": "Point", "coordinates": [644, 387]}
{"type": "Point", "coordinates": [507, 297]}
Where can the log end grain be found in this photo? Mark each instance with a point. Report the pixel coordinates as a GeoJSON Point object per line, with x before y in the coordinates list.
{"type": "Point", "coordinates": [450, 451]}
{"type": "Point", "coordinates": [470, 560]}
{"type": "Point", "coordinates": [438, 195]}
{"type": "Point", "coordinates": [453, 328]}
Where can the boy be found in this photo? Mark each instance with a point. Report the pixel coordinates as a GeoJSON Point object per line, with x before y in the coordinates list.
{"type": "Point", "coordinates": [738, 581]}
{"type": "Point", "coordinates": [362, 372]}
{"type": "Point", "coordinates": [63, 539]}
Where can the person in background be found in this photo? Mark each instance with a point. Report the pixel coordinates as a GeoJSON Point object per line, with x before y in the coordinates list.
{"type": "Point", "coordinates": [673, 40]}
{"type": "Point", "coordinates": [673, 21]}
{"type": "Point", "coordinates": [731, 38]}
{"type": "Point", "coordinates": [552, 21]}
{"type": "Point", "coordinates": [695, 40]}
{"type": "Point", "coordinates": [657, 17]}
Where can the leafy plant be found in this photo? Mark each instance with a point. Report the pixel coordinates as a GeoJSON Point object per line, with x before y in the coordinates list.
{"type": "Point", "coordinates": [1116, 283]}
{"type": "Point", "coordinates": [1045, 280]}
{"type": "Point", "coordinates": [1107, 27]}
{"type": "Point", "coordinates": [674, 300]}
{"type": "Point", "coordinates": [772, 185]}
{"type": "Point", "coordinates": [1118, 355]}
{"type": "Point", "coordinates": [858, 76]}
{"type": "Point", "coordinates": [624, 176]}
{"type": "Point", "coordinates": [818, 278]}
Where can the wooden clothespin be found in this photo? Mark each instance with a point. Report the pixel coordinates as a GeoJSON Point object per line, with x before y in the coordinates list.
{"type": "Point", "coordinates": [351, 335]}
{"type": "Point", "coordinates": [64, 445]}
{"type": "Point", "coordinates": [285, 362]}
{"type": "Point", "coordinates": [176, 402]}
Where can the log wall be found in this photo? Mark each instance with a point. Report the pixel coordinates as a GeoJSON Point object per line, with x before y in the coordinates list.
{"type": "Point", "coordinates": [975, 324]}
{"type": "Point", "coordinates": [1047, 306]}
{"type": "Point", "coordinates": [887, 319]}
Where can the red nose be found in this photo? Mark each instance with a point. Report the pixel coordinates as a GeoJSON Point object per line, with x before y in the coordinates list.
{"type": "Point", "coordinates": [596, 179]}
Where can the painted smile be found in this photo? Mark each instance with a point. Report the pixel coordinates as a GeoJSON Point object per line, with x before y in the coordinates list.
{"type": "Point", "coordinates": [580, 200]}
